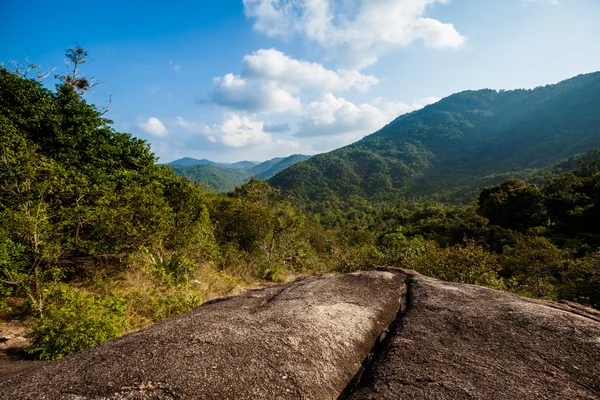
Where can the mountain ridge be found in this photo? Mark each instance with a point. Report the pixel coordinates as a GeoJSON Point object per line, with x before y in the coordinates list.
{"type": "Point", "coordinates": [454, 142]}
{"type": "Point", "coordinates": [225, 177]}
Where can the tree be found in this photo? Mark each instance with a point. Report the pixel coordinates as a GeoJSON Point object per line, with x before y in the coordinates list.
{"type": "Point", "coordinates": [75, 57]}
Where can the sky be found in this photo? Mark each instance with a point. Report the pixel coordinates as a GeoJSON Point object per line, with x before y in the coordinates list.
{"type": "Point", "coordinates": [234, 80]}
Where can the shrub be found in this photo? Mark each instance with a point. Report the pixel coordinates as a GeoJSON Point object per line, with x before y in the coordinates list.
{"type": "Point", "coordinates": [581, 281]}
{"type": "Point", "coordinates": [73, 321]}
{"type": "Point", "coordinates": [470, 264]}
{"type": "Point", "coordinates": [535, 266]}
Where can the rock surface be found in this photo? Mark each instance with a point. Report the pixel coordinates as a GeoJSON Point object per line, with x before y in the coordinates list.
{"type": "Point", "coordinates": [467, 342]}
{"type": "Point", "coordinates": [305, 339]}
{"type": "Point", "coordinates": [14, 342]}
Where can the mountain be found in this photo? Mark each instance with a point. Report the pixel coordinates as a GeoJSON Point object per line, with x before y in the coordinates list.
{"type": "Point", "coordinates": [219, 178]}
{"type": "Point", "coordinates": [241, 164]}
{"type": "Point", "coordinates": [188, 161]}
{"type": "Point", "coordinates": [225, 177]}
{"type": "Point", "coordinates": [456, 143]}
{"type": "Point", "coordinates": [278, 166]}
{"type": "Point", "coordinates": [265, 166]}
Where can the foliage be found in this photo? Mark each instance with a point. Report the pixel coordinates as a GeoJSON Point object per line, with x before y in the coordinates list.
{"type": "Point", "coordinates": [535, 266]}
{"type": "Point", "coordinates": [74, 321]}
{"type": "Point", "coordinates": [74, 192]}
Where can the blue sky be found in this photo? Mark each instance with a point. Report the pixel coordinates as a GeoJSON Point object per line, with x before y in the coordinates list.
{"type": "Point", "coordinates": [230, 80]}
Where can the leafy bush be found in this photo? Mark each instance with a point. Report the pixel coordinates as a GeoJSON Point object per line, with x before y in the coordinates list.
{"type": "Point", "coordinates": [470, 264]}
{"type": "Point", "coordinates": [581, 281]}
{"type": "Point", "coordinates": [171, 266]}
{"type": "Point", "coordinates": [535, 266]}
{"type": "Point", "coordinates": [73, 321]}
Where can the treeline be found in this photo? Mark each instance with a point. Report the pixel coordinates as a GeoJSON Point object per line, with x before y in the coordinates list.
{"type": "Point", "coordinates": [537, 240]}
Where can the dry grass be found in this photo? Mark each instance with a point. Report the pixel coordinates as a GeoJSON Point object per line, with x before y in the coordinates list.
{"type": "Point", "coordinates": [150, 298]}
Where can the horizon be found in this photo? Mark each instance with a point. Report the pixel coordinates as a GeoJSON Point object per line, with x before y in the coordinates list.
{"type": "Point", "coordinates": [266, 92]}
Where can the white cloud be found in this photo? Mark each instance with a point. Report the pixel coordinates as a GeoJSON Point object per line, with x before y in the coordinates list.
{"type": "Point", "coordinates": [360, 30]}
{"type": "Point", "coordinates": [252, 96]}
{"type": "Point", "coordinates": [236, 131]}
{"type": "Point", "coordinates": [272, 82]}
{"type": "Point", "coordinates": [334, 116]}
{"type": "Point", "coordinates": [153, 126]}
{"type": "Point", "coordinates": [241, 131]}
{"type": "Point", "coordinates": [274, 65]}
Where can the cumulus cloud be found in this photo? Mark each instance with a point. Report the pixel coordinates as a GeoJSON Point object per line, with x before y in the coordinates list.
{"type": "Point", "coordinates": [274, 65]}
{"type": "Point", "coordinates": [153, 126]}
{"type": "Point", "coordinates": [361, 29]}
{"type": "Point", "coordinates": [272, 82]}
{"type": "Point", "coordinates": [236, 131]}
{"type": "Point", "coordinates": [241, 131]}
{"type": "Point", "coordinates": [252, 96]}
{"type": "Point", "coordinates": [334, 116]}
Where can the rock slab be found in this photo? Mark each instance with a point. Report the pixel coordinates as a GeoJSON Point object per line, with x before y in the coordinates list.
{"type": "Point", "coordinates": [306, 339]}
{"type": "Point", "coordinates": [459, 341]}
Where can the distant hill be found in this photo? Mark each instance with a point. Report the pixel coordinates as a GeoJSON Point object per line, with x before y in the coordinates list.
{"type": "Point", "coordinates": [279, 166]}
{"type": "Point", "coordinates": [188, 161]}
{"type": "Point", "coordinates": [224, 177]}
{"type": "Point", "coordinates": [219, 178]}
{"type": "Point", "coordinates": [456, 143]}
{"type": "Point", "coordinates": [265, 166]}
{"type": "Point", "coordinates": [241, 164]}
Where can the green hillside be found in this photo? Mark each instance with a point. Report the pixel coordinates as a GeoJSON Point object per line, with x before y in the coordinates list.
{"type": "Point", "coordinates": [280, 166]}
{"type": "Point", "coordinates": [188, 161]}
{"type": "Point", "coordinates": [461, 142]}
{"type": "Point", "coordinates": [265, 166]}
{"type": "Point", "coordinates": [225, 177]}
{"type": "Point", "coordinates": [220, 179]}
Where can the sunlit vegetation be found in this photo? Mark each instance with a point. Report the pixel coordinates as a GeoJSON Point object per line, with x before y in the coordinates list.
{"type": "Point", "coordinates": [97, 239]}
{"type": "Point", "coordinates": [451, 148]}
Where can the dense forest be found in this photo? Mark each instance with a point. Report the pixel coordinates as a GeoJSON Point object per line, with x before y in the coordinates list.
{"type": "Point", "coordinates": [97, 239]}
{"type": "Point", "coordinates": [451, 148]}
{"type": "Point", "coordinates": [225, 177]}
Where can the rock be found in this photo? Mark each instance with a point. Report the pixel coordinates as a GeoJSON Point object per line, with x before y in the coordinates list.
{"type": "Point", "coordinates": [305, 339]}
{"type": "Point", "coordinates": [343, 337]}
{"type": "Point", "coordinates": [460, 341]}
{"type": "Point", "coordinates": [14, 342]}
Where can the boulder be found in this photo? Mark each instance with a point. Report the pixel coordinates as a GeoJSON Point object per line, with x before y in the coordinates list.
{"type": "Point", "coordinates": [458, 341]}
{"type": "Point", "coordinates": [385, 334]}
{"type": "Point", "coordinates": [304, 339]}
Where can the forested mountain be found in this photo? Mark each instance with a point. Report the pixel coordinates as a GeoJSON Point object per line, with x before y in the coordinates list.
{"type": "Point", "coordinates": [218, 178]}
{"type": "Point", "coordinates": [225, 177]}
{"type": "Point", "coordinates": [278, 166]}
{"type": "Point", "coordinates": [455, 144]}
{"type": "Point", "coordinates": [188, 161]}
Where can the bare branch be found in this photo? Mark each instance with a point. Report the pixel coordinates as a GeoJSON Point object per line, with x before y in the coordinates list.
{"type": "Point", "coordinates": [23, 71]}
{"type": "Point", "coordinates": [107, 107]}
